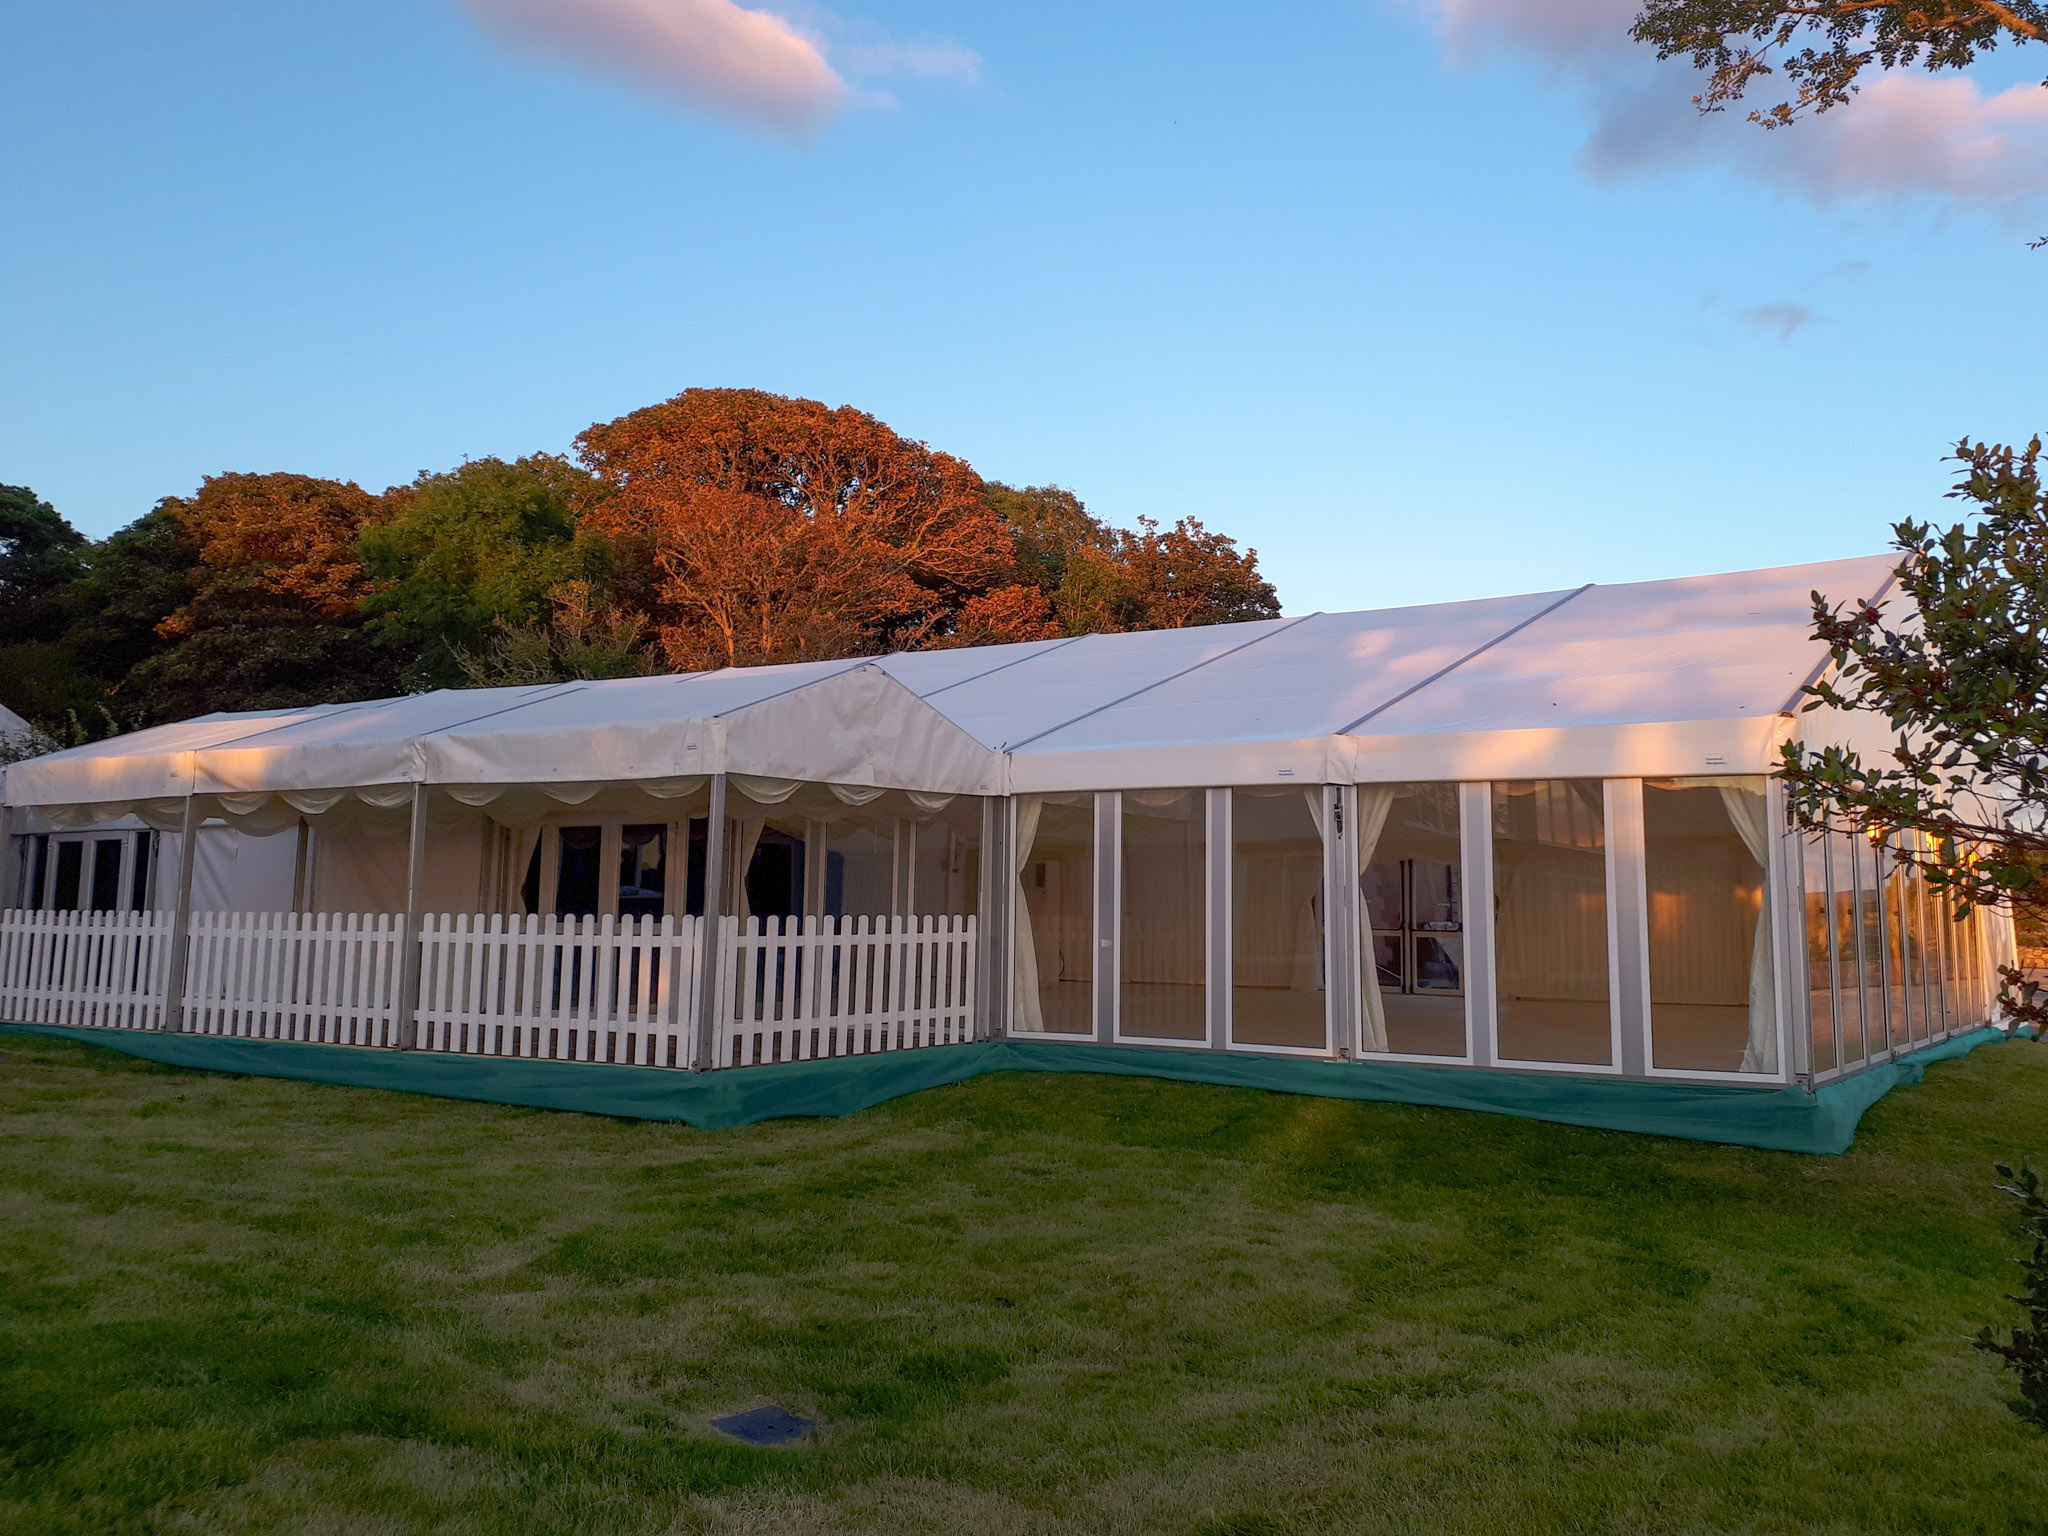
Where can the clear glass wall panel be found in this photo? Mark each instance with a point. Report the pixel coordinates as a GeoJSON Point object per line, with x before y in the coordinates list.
{"type": "Point", "coordinates": [577, 871]}
{"type": "Point", "coordinates": [643, 871]}
{"type": "Point", "coordinates": [1825, 1028]}
{"type": "Point", "coordinates": [1870, 942]}
{"type": "Point", "coordinates": [106, 873]}
{"type": "Point", "coordinates": [1712, 1003]}
{"type": "Point", "coordinates": [1899, 1003]}
{"type": "Point", "coordinates": [1850, 1025]}
{"type": "Point", "coordinates": [1919, 963]}
{"type": "Point", "coordinates": [1056, 907]}
{"type": "Point", "coordinates": [1550, 921]}
{"type": "Point", "coordinates": [70, 867]}
{"type": "Point", "coordinates": [1163, 950]}
{"type": "Point", "coordinates": [945, 862]}
{"type": "Point", "coordinates": [1412, 919]}
{"type": "Point", "coordinates": [860, 870]}
{"type": "Point", "coordinates": [1276, 919]}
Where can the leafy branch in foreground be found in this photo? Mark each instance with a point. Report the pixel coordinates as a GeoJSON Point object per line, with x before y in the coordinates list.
{"type": "Point", "coordinates": [1960, 670]}
{"type": "Point", "coordinates": [2025, 1348]}
{"type": "Point", "coordinates": [1823, 46]}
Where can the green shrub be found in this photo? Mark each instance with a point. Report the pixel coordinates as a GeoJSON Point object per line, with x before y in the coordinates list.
{"type": "Point", "coordinates": [2026, 1348]}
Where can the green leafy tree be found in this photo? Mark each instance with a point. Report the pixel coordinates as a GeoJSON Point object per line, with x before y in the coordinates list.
{"type": "Point", "coordinates": [2025, 1348]}
{"type": "Point", "coordinates": [134, 580]}
{"type": "Point", "coordinates": [478, 552]}
{"type": "Point", "coordinates": [584, 637]}
{"type": "Point", "coordinates": [1823, 47]}
{"type": "Point", "coordinates": [1957, 663]}
{"type": "Point", "coordinates": [39, 554]}
{"type": "Point", "coordinates": [1050, 525]}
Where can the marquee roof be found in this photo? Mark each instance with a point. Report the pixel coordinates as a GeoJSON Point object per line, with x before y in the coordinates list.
{"type": "Point", "coordinates": [1666, 677]}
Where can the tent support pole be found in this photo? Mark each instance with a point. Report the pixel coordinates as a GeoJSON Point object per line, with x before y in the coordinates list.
{"type": "Point", "coordinates": [404, 1027]}
{"type": "Point", "coordinates": [714, 913]}
{"type": "Point", "coordinates": [9, 882]}
{"type": "Point", "coordinates": [992, 965]}
{"type": "Point", "coordinates": [181, 920]}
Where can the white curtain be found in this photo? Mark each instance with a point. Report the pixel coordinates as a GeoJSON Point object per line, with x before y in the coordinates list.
{"type": "Point", "coordinates": [1030, 1008]}
{"type": "Point", "coordinates": [749, 825]}
{"type": "Point", "coordinates": [1748, 809]}
{"type": "Point", "coordinates": [524, 841]}
{"type": "Point", "coordinates": [1374, 802]}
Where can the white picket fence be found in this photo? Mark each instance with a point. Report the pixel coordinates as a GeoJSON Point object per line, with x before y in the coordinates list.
{"type": "Point", "coordinates": [99, 969]}
{"type": "Point", "coordinates": [802, 988]}
{"type": "Point", "coordinates": [329, 978]}
{"type": "Point", "coordinates": [562, 989]}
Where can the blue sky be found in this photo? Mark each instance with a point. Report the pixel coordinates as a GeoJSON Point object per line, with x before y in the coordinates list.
{"type": "Point", "coordinates": [1344, 280]}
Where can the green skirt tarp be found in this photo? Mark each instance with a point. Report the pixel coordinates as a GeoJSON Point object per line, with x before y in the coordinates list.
{"type": "Point", "coordinates": [1779, 1119]}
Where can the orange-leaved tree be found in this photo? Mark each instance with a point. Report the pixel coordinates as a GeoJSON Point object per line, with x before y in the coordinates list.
{"type": "Point", "coordinates": [777, 529]}
{"type": "Point", "coordinates": [272, 617]}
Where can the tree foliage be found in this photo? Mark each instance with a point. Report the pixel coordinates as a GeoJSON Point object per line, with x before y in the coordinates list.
{"type": "Point", "coordinates": [476, 552]}
{"type": "Point", "coordinates": [1957, 664]}
{"type": "Point", "coordinates": [723, 526]}
{"type": "Point", "coordinates": [2024, 1347]}
{"type": "Point", "coordinates": [39, 554]}
{"type": "Point", "coordinates": [786, 530]}
{"type": "Point", "coordinates": [1823, 47]}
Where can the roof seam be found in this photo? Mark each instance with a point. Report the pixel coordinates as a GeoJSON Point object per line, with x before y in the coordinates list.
{"type": "Point", "coordinates": [812, 682]}
{"type": "Point", "coordinates": [284, 725]}
{"type": "Point", "coordinates": [562, 691]}
{"type": "Point", "coordinates": [1015, 662]}
{"type": "Point", "coordinates": [1160, 682]}
{"type": "Point", "coordinates": [1821, 667]}
{"type": "Point", "coordinates": [1443, 672]}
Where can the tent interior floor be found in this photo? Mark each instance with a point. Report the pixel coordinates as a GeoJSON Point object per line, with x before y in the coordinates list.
{"type": "Point", "coordinates": [1699, 1037]}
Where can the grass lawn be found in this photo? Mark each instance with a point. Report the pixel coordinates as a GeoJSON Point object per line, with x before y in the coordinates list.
{"type": "Point", "coordinates": [1023, 1304]}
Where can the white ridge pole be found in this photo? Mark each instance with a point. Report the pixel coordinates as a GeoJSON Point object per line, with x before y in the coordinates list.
{"type": "Point", "coordinates": [404, 1026]}
{"type": "Point", "coordinates": [714, 911]}
{"type": "Point", "coordinates": [181, 920]}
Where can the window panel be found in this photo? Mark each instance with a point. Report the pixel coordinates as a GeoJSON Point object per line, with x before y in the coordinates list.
{"type": "Point", "coordinates": [643, 871]}
{"type": "Point", "coordinates": [1820, 954]}
{"type": "Point", "coordinates": [1851, 1023]}
{"type": "Point", "coordinates": [106, 873]}
{"type": "Point", "coordinates": [1163, 951]}
{"type": "Point", "coordinates": [70, 873]}
{"type": "Point", "coordinates": [1056, 928]}
{"type": "Point", "coordinates": [1899, 1002]}
{"type": "Point", "coordinates": [1712, 1001]}
{"type": "Point", "coordinates": [577, 869]}
{"type": "Point", "coordinates": [1276, 919]}
{"type": "Point", "coordinates": [1412, 913]}
{"type": "Point", "coordinates": [1550, 922]}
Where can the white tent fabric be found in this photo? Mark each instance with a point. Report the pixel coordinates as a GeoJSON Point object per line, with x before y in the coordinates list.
{"type": "Point", "coordinates": [850, 725]}
{"type": "Point", "coordinates": [1650, 678]}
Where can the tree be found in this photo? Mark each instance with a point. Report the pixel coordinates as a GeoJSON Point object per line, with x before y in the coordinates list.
{"type": "Point", "coordinates": [584, 637]}
{"type": "Point", "coordinates": [776, 529]}
{"type": "Point", "coordinates": [134, 580]}
{"type": "Point", "coordinates": [1048, 524]}
{"type": "Point", "coordinates": [39, 553]}
{"type": "Point", "coordinates": [1958, 666]}
{"type": "Point", "coordinates": [476, 552]}
{"type": "Point", "coordinates": [1096, 578]}
{"type": "Point", "coordinates": [274, 615]}
{"type": "Point", "coordinates": [1824, 46]}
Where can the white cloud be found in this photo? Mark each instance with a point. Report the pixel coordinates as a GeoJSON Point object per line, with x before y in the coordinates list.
{"type": "Point", "coordinates": [743, 63]}
{"type": "Point", "coordinates": [1903, 134]}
